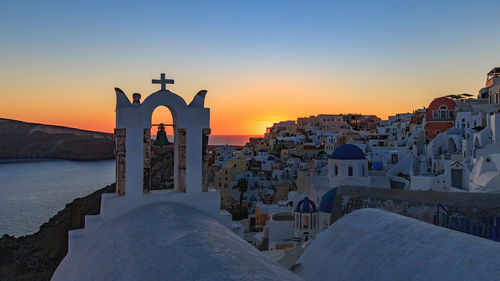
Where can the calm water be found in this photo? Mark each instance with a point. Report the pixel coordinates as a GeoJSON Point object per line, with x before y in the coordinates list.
{"type": "Point", "coordinates": [32, 192]}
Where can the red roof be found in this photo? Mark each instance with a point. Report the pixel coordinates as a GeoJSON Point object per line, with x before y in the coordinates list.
{"type": "Point", "coordinates": [437, 103]}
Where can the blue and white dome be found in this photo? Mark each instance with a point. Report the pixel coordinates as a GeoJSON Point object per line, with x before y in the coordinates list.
{"type": "Point", "coordinates": [348, 152]}
{"type": "Point", "coordinates": [326, 203]}
{"type": "Point", "coordinates": [271, 158]}
{"type": "Point", "coordinates": [306, 206]}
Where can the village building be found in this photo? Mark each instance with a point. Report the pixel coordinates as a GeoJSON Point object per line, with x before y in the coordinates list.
{"type": "Point", "coordinates": [223, 153]}
{"type": "Point", "coordinates": [439, 117]}
{"type": "Point", "coordinates": [348, 166]}
{"type": "Point", "coordinates": [306, 221]}
{"type": "Point", "coordinates": [225, 176]}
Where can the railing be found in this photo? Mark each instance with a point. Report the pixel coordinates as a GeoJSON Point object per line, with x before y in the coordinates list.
{"type": "Point", "coordinates": [436, 214]}
{"type": "Point", "coordinates": [488, 228]}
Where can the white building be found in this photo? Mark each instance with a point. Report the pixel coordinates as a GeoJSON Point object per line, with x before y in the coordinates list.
{"type": "Point", "coordinates": [281, 230]}
{"type": "Point", "coordinates": [223, 153]}
{"type": "Point", "coordinates": [306, 221]}
{"type": "Point", "coordinates": [348, 166]}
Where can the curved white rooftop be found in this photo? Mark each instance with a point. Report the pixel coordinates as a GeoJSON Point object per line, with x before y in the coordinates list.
{"type": "Point", "coordinates": [166, 241]}
{"type": "Point", "coordinates": [371, 244]}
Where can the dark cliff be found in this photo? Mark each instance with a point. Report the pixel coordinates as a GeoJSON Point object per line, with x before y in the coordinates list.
{"type": "Point", "coordinates": [21, 140]}
{"type": "Point", "coordinates": [36, 256]}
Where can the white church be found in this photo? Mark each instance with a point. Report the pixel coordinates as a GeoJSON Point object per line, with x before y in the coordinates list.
{"type": "Point", "coordinates": [178, 234]}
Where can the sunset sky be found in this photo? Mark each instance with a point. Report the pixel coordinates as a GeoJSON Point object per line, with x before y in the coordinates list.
{"type": "Point", "coordinates": [261, 61]}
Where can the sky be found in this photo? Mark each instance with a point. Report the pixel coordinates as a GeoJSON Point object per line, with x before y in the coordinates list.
{"type": "Point", "coordinates": [261, 61]}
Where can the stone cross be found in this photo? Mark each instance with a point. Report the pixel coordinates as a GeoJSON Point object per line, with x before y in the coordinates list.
{"type": "Point", "coordinates": [163, 82]}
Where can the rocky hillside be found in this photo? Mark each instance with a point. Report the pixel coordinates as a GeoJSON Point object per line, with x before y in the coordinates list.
{"type": "Point", "coordinates": [21, 140]}
{"type": "Point", "coordinates": [162, 167]}
{"type": "Point", "coordinates": [36, 256]}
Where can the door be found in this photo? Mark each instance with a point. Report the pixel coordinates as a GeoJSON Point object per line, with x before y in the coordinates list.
{"type": "Point", "coordinates": [456, 178]}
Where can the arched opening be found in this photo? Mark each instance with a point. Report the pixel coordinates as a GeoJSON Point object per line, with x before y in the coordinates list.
{"type": "Point", "coordinates": [443, 112]}
{"type": "Point", "coordinates": [161, 148]}
{"type": "Point", "coordinates": [163, 115]}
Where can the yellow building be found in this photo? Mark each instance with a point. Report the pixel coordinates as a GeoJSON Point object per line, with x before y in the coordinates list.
{"type": "Point", "coordinates": [224, 177]}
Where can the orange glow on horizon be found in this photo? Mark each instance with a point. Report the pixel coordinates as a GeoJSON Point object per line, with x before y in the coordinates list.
{"type": "Point", "coordinates": [239, 105]}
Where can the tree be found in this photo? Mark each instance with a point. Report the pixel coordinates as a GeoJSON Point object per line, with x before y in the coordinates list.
{"type": "Point", "coordinates": [276, 151]}
{"type": "Point", "coordinates": [242, 188]}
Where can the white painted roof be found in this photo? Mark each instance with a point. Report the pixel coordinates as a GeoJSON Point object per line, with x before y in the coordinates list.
{"type": "Point", "coordinates": [371, 244]}
{"type": "Point", "coordinates": [167, 241]}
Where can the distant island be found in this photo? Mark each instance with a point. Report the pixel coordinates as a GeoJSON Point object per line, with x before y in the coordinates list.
{"type": "Point", "coordinates": [22, 140]}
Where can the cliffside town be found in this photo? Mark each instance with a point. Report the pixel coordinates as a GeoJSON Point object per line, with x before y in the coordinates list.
{"type": "Point", "coordinates": [290, 176]}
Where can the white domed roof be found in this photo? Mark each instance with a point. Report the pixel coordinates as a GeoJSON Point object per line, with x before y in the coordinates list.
{"type": "Point", "coordinates": [167, 241]}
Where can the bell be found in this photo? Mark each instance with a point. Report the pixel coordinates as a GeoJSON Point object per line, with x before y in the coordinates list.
{"type": "Point", "coordinates": [161, 136]}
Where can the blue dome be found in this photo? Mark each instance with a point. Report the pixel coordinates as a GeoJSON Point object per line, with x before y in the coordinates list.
{"type": "Point", "coordinates": [306, 206]}
{"type": "Point", "coordinates": [326, 204]}
{"type": "Point", "coordinates": [262, 150]}
{"type": "Point", "coordinates": [348, 152]}
{"type": "Point", "coordinates": [271, 158]}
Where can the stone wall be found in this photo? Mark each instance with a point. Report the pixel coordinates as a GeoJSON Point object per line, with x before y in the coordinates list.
{"type": "Point", "coordinates": [181, 142]}
{"type": "Point", "coordinates": [420, 205]}
{"type": "Point", "coordinates": [204, 173]}
{"type": "Point", "coordinates": [146, 187]}
{"type": "Point", "coordinates": [121, 161]}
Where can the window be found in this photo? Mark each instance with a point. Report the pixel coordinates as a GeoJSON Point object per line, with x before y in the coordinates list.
{"type": "Point", "coordinates": [394, 159]}
{"type": "Point", "coordinates": [435, 114]}
{"type": "Point", "coordinates": [336, 170]}
{"type": "Point", "coordinates": [349, 171]}
{"type": "Point", "coordinates": [451, 113]}
{"type": "Point", "coordinates": [443, 110]}
{"type": "Point", "coordinates": [443, 114]}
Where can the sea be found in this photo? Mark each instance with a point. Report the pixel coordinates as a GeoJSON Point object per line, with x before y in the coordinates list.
{"type": "Point", "coordinates": [33, 191]}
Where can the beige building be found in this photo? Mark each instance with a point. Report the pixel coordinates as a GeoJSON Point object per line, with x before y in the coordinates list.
{"type": "Point", "coordinates": [225, 175]}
